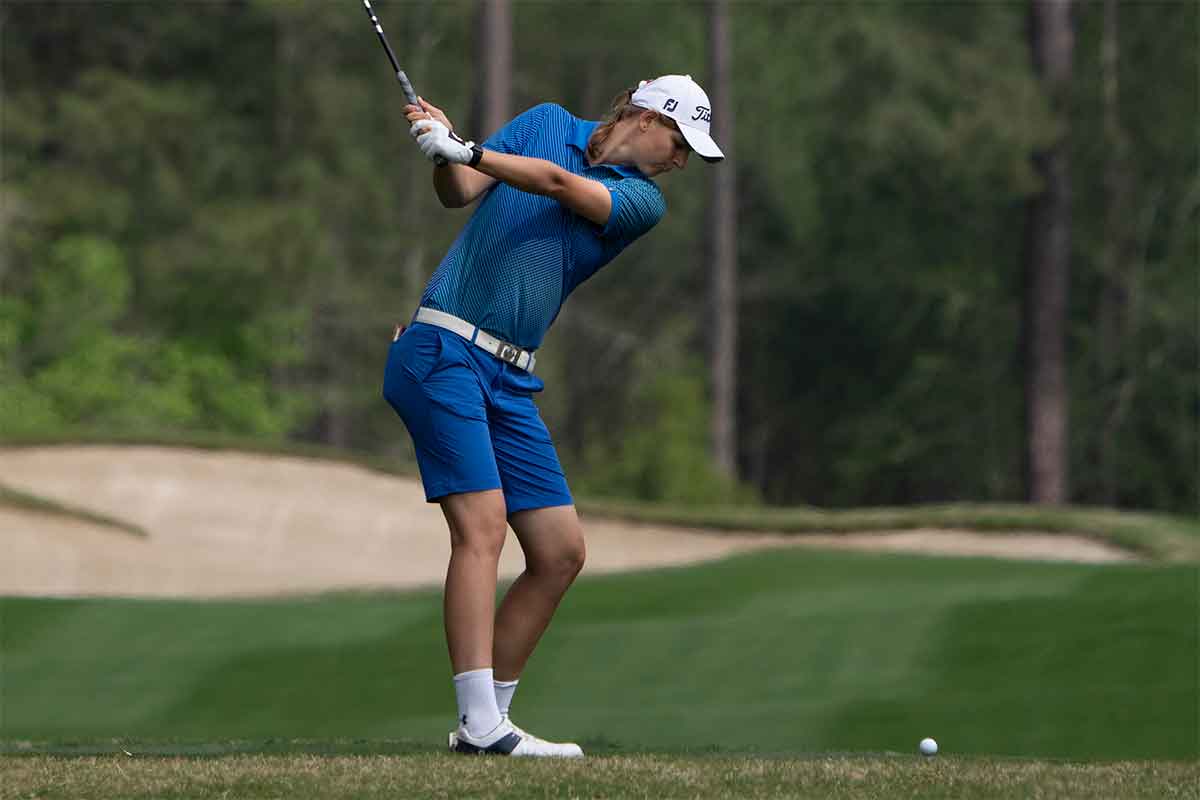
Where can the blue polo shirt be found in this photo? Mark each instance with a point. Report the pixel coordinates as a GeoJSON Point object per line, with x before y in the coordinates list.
{"type": "Point", "coordinates": [520, 255]}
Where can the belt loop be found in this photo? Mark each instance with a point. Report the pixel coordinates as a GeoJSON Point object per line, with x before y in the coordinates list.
{"type": "Point", "coordinates": [474, 334]}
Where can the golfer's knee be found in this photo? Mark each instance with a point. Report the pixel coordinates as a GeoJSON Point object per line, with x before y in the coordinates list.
{"type": "Point", "coordinates": [573, 561]}
{"type": "Point", "coordinates": [481, 540]}
{"type": "Point", "coordinates": [482, 535]}
{"type": "Point", "coordinates": [562, 565]}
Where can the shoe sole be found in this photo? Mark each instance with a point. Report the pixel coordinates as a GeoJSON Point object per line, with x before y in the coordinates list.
{"type": "Point", "coordinates": [468, 749]}
{"type": "Point", "coordinates": [501, 747]}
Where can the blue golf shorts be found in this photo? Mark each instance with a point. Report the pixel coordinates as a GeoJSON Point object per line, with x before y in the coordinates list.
{"type": "Point", "coordinates": [473, 421]}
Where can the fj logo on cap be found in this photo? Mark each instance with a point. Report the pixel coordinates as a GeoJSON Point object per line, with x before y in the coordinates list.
{"type": "Point", "coordinates": [670, 105]}
{"type": "Point", "coordinates": [703, 113]}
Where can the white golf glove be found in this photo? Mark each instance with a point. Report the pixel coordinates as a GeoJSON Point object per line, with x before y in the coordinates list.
{"type": "Point", "coordinates": [435, 139]}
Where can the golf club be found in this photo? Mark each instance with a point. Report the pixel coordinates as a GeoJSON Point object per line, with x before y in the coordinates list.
{"type": "Point", "coordinates": [405, 84]}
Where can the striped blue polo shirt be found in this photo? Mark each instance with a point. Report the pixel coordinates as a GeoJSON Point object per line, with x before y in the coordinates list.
{"type": "Point", "coordinates": [520, 255]}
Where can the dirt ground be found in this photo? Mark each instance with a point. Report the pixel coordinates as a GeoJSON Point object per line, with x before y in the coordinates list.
{"type": "Point", "coordinates": [228, 524]}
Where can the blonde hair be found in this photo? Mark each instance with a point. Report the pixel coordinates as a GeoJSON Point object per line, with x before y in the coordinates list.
{"type": "Point", "coordinates": [622, 108]}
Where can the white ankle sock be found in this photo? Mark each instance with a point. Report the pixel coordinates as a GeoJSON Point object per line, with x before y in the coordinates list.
{"type": "Point", "coordinates": [476, 701]}
{"type": "Point", "coordinates": [504, 695]}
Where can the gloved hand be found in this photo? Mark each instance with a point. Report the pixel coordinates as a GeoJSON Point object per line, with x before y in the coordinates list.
{"type": "Point", "coordinates": [435, 139]}
{"type": "Point", "coordinates": [427, 110]}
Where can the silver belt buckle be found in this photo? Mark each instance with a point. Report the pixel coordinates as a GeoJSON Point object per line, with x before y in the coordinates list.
{"type": "Point", "coordinates": [509, 353]}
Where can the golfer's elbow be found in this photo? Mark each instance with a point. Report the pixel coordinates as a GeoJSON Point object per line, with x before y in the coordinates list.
{"type": "Point", "coordinates": [553, 183]}
{"type": "Point", "coordinates": [449, 196]}
{"type": "Point", "coordinates": [449, 187]}
{"type": "Point", "coordinates": [451, 202]}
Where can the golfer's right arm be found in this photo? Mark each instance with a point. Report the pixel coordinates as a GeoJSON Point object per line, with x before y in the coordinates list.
{"type": "Point", "coordinates": [456, 185]}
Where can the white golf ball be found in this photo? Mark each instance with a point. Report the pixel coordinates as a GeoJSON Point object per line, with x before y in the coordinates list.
{"type": "Point", "coordinates": [928, 746]}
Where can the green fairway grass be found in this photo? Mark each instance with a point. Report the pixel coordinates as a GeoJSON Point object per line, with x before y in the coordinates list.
{"type": "Point", "coordinates": [651, 777]}
{"type": "Point", "coordinates": [775, 653]}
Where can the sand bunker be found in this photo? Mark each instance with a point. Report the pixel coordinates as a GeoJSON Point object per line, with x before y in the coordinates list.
{"type": "Point", "coordinates": [229, 524]}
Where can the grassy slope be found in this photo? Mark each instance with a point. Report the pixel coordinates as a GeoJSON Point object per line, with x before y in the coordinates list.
{"type": "Point", "coordinates": [433, 776]}
{"type": "Point", "coordinates": [1162, 536]}
{"type": "Point", "coordinates": [779, 652]}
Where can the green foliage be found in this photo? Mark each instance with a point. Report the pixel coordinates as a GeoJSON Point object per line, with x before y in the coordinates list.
{"type": "Point", "coordinates": [24, 411]}
{"type": "Point", "coordinates": [122, 383]}
{"type": "Point", "coordinates": [127, 384]}
{"type": "Point", "coordinates": [80, 371]}
{"type": "Point", "coordinates": [213, 215]}
{"type": "Point", "coordinates": [14, 318]}
{"type": "Point", "coordinates": [664, 455]}
{"type": "Point", "coordinates": [83, 289]}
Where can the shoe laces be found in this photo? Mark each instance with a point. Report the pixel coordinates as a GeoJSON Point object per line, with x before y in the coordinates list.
{"type": "Point", "coordinates": [524, 733]}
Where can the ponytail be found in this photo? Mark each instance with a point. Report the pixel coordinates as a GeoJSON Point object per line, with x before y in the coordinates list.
{"type": "Point", "coordinates": [622, 107]}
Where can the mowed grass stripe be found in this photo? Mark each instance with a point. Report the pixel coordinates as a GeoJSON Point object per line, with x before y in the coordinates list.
{"type": "Point", "coordinates": [443, 776]}
{"type": "Point", "coordinates": [779, 652]}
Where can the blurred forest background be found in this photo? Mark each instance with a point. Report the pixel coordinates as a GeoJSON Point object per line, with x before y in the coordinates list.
{"type": "Point", "coordinates": [961, 238]}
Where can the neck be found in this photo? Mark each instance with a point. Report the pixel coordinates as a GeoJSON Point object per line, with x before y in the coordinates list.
{"type": "Point", "coordinates": [615, 149]}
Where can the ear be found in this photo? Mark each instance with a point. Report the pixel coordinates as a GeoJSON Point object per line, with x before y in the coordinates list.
{"type": "Point", "coordinates": [646, 119]}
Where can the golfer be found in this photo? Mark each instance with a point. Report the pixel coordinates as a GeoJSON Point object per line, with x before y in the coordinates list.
{"type": "Point", "coordinates": [559, 197]}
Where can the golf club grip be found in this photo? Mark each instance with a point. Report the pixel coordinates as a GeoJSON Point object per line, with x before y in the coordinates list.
{"type": "Point", "coordinates": [412, 98]}
{"type": "Point", "coordinates": [409, 92]}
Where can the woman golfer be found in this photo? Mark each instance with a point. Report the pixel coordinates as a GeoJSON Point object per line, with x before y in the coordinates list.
{"type": "Point", "coordinates": [561, 197]}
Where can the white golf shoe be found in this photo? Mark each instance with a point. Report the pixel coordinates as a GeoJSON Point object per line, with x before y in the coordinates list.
{"type": "Point", "coordinates": [509, 740]}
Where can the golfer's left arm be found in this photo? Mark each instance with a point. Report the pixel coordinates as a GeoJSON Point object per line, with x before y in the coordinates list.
{"type": "Point", "coordinates": [588, 198]}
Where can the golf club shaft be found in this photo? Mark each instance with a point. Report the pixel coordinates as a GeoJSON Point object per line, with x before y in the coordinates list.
{"type": "Point", "coordinates": [405, 84]}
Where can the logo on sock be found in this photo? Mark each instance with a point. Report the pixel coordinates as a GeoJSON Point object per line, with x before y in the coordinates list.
{"type": "Point", "coordinates": [464, 720]}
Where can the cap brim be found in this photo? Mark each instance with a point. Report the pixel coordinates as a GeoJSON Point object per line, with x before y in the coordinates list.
{"type": "Point", "coordinates": [702, 143]}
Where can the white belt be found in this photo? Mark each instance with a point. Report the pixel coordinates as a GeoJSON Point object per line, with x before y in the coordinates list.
{"type": "Point", "coordinates": [509, 353]}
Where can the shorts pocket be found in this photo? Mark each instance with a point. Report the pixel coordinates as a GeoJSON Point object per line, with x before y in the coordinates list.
{"type": "Point", "coordinates": [417, 353]}
{"type": "Point", "coordinates": [411, 359]}
{"type": "Point", "coordinates": [457, 390]}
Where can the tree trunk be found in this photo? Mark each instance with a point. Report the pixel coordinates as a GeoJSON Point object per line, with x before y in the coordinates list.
{"type": "Point", "coordinates": [1116, 367]}
{"type": "Point", "coordinates": [492, 106]}
{"type": "Point", "coordinates": [1048, 250]}
{"type": "Point", "coordinates": [723, 249]}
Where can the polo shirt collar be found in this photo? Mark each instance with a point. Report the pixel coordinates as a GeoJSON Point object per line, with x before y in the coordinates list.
{"type": "Point", "coordinates": [579, 139]}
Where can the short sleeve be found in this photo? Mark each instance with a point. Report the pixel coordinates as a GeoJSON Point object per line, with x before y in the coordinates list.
{"type": "Point", "coordinates": [514, 137]}
{"type": "Point", "coordinates": [637, 206]}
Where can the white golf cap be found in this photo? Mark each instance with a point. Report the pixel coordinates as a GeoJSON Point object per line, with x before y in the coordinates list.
{"type": "Point", "coordinates": [681, 98]}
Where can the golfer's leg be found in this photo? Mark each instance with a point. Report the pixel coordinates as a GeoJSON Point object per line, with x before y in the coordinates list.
{"type": "Point", "coordinates": [552, 540]}
{"type": "Point", "coordinates": [477, 531]}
